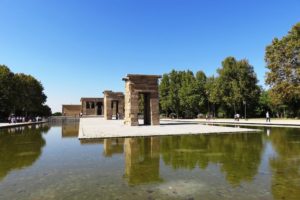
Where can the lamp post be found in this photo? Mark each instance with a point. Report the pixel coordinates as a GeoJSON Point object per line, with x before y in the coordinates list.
{"type": "Point", "coordinates": [245, 103]}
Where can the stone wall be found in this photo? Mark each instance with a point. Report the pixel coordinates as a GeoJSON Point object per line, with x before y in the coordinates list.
{"type": "Point", "coordinates": [71, 110]}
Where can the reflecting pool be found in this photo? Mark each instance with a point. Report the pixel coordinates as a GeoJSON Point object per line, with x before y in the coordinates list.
{"type": "Point", "coordinates": [49, 162]}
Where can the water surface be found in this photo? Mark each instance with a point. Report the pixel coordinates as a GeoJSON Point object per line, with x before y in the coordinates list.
{"type": "Point", "coordinates": [49, 162]}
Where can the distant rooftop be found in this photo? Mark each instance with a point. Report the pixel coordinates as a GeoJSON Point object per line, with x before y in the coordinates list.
{"type": "Point", "coordinates": [129, 76]}
{"type": "Point", "coordinates": [91, 99]}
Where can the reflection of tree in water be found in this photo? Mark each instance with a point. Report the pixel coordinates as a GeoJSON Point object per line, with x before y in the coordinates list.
{"type": "Point", "coordinates": [142, 160]}
{"type": "Point", "coordinates": [238, 154]}
{"type": "Point", "coordinates": [20, 147]}
{"type": "Point", "coordinates": [286, 165]}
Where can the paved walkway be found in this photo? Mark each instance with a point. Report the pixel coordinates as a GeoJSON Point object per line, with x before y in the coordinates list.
{"type": "Point", "coordinates": [254, 122]}
{"type": "Point", "coordinates": [7, 125]}
{"type": "Point", "coordinates": [101, 128]}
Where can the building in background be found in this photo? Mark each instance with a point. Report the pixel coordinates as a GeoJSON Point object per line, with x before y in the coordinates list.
{"type": "Point", "coordinates": [71, 110]}
{"type": "Point", "coordinates": [91, 106]}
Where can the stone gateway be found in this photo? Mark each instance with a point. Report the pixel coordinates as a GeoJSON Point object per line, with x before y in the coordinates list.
{"type": "Point", "coordinates": [113, 105]}
{"type": "Point", "coordinates": [147, 87]}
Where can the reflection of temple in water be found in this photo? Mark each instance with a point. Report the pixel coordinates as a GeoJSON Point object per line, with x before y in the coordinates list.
{"type": "Point", "coordinates": [70, 130]}
{"type": "Point", "coordinates": [142, 157]}
{"type": "Point", "coordinates": [91, 141]}
{"type": "Point", "coordinates": [113, 146]}
{"type": "Point", "coordinates": [110, 146]}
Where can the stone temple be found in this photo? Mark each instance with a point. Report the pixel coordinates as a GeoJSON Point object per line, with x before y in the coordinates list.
{"type": "Point", "coordinates": [141, 93]}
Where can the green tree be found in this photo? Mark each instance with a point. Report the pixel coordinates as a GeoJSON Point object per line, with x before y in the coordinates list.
{"type": "Point", "coordinates": [283, 62]}
{"type": "Point", "coordinates": [201, 80]}
{"type": "Point", "coordinates": [45, 111]}
{"type": "Point", "coordinates": [30, 96]}
{"type": "Point", "coordinates": [183, 93]}
{"type": "Point", "coordinates": [6, 86]}
{"type": "Point", "coordinates": [189, 96]}
{"type": "Point", "coordinates": [238, 84]}
{"type": "Point", "coordinates": [175, 85]}
{"type": "Point", "coordinates": [164, 90]}
{"type": "Point", "coordinates": [212, 91]}
{"type": "Point", "coordinates": [21, 94]}
{"type": "Point", "coordinates": [264, 103]}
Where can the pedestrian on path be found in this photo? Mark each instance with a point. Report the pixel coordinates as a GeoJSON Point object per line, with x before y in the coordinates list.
{"type": "Point", "coordinates": [268, 117]}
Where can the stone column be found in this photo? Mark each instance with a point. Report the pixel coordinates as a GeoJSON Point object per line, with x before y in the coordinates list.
{"type": "Point", "coordinates": [128, 99]}
{"type": "Point", "coordinates": [131, 105]}
{"type": "Point", "coordinates": [95, 108]}
{"type": "Point", "coordinates": [83, 107]}
{"type": "Point", "coordinates": [107, 107]}
{"type": "Point", "coordinates": [154, 107]}
{"type": "Point", "coordinates": [134, 121]}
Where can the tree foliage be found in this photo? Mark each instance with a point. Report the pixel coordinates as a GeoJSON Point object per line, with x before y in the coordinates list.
{"type": "Point", "coordinates": [6, 85]}
{"type": "Point", "coordinates": [181, 93]}
{"type": "Point", "coordinates": [188, 95]}
{"type": "Point", "coordinates": [283, 62]}
{"type": "Point", "coordinates": [21, 94]}
{"type": "Point", "coordinates": [238, 86]}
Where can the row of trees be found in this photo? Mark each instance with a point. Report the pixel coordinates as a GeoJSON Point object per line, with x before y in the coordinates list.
{"type": "Point", "coordinates": [21, 94]}
{"type": "Point", "coordinates": [235, 89]}
{"type": "Point", "coordinates": [187, 95]}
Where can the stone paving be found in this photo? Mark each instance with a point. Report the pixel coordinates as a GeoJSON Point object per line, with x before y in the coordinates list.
{"type": "Point", "coordinates": [293, 123]}
{"type": "Point", "coordinates": [99, 128]}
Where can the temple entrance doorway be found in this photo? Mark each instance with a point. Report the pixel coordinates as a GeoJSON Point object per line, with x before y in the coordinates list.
{"type": "Point", "coordinates": [115, 109]}
{"type": "Point", "coordinates": [99, 108]}
{"type": "Point", "coordinates": [144, 109]}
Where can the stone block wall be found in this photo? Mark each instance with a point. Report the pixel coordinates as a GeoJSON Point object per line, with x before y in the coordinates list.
{"type": "Point", "coordinates": [71, 110]}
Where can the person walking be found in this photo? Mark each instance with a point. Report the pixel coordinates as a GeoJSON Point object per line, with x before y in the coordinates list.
{"type": "Point", "coordinates": [268, 117]}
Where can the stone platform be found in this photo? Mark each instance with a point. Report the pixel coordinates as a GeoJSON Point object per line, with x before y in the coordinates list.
{"type": "Point", "coordinates": [100, 128]}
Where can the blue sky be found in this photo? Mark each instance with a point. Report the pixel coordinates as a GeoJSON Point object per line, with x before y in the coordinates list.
{"type": "Point", "coordinates": [80, 48]}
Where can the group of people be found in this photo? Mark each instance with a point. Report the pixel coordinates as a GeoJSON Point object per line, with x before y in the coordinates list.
{"type": "Point", "coordinates": [237, 117]}
{"type": "Point", "coordinates": [20, 119]}
{"type": "Point", "coordinates": [14, 119]}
